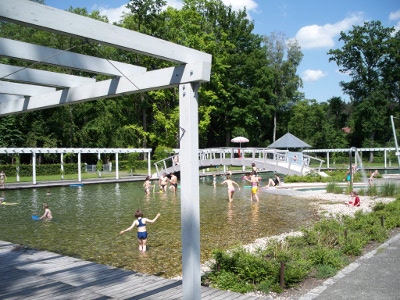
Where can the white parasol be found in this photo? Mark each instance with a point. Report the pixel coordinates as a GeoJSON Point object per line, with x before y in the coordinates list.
{"type": "Point", "coordinates": [240, 140]}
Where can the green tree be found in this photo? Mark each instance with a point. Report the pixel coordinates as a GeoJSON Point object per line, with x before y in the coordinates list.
{"type": "Point", "coordinates": [283, 58]}
{"type": "Point", "coordinates": [309, 121]}
{"type": "Point", "coordinates": [366, 56]}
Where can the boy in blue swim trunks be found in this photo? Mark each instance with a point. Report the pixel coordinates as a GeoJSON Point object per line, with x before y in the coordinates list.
{"type": "Point", "coordinates": [140, 222]}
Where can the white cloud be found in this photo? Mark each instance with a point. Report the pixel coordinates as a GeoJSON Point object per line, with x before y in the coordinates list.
{"type": "Point", "coordinates": [113, 14]}
{"type": "Point", "coordinates": [316, 36]}
{"type": "Point", "coordinates": [312, 75]}
{"type": "Point", "coordinates": [394, 15]}
{"type": "Point", "coordinates": [250, 5]}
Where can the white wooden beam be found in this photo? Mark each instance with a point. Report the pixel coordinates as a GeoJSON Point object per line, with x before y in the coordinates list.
{"type": "Point", "coordinates": [152, 80]}
{"type": "Point", "coordinates": [41, 77]}
{"type": "Point", "coordinates": [62, 22]}
{"type": "Point", "coordinates": [23, 89]}
{"type": "Point", "coordinates": [73, 150]}
{"type": "Point", "coordinates": [75, 61]}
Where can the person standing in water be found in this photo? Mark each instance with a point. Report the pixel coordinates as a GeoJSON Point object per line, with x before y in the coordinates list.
{"type": "Point", "coordinates": [140, 223]}
{"type": "Point", "coordinates": [147, 185]}
{"type": "Point", "coordinates": [231, 189]}
{"type": "Point", "coordinates": [3, 178]}
{"type": "Point", "coordinates": [371, 178]}
{"type": "Point", "coordinates": [255, 181]}
{"type": "Point", "coordinates": [162, 182]}
{"type": "Point", "coordinates": [173, 182]}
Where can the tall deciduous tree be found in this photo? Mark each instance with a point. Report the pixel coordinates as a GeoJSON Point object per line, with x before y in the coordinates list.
{"type": "Point", "coordinates": [284, 57]}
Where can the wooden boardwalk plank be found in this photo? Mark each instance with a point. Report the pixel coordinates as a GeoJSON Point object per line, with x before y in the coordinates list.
{"type": "Point", "coordinates": [32, 274]}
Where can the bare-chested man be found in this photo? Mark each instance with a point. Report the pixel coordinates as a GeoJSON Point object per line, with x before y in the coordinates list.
{"type": "Point", "coordinates": [2, 178]}
{"type": "Point", "coordinates": [173, 182]}
{"type": "Point", "coordinates": [162, 182]}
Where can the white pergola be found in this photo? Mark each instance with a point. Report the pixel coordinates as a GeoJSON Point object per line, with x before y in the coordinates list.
{"type": "Point", "coordinates": [28, 89]}
{"type": "Point", "coordinates": [78, 152]}
{"type": "Point", "coordinates": [348, 150]}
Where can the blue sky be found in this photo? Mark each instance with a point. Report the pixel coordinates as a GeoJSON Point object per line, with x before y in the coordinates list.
{"type": "Point", "coordinates": [316, 24]}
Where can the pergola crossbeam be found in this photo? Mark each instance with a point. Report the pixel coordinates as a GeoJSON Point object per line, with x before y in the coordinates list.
{"type": "Point", "coordinates": [152, 80]}
{"type": "Point", "coordinates": [40, 77]}
{"type": "Point", "coordinates": [61, 58]}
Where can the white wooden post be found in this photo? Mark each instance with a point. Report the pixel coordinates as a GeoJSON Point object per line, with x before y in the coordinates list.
{"type": "Point", "coordinates": [62, 165]}
{"type": "Point", "coordinates": [190, 207]}
{"type": "Point", "coordinates": [148, 164]}
{"type": "Point", "coordinates": [79, 167]}
{"type": "Point", "coordinates": [33, 167]}
{"type": "Point", "coordinates": [116, 166]}
{"type": "Point", "coordinates": [327, 159]}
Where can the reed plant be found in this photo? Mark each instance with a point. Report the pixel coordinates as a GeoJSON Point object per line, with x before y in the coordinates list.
{"type": "Point", "coordinates": [333, 187]}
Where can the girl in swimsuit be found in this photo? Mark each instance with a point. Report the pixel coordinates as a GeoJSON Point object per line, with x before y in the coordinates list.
{"type": "Point", "coordinates": [231, 188]}
{"type": "Point", "coordinates": [274, 182]}
{"type": "Point", "coordinates": [254, 185]}
{"type": "Point", "coordinates": [147, 185]}
{"type": "Point", "coordinates": [140, 222]}
{"type": "Point", "coordinates": [356, 201]}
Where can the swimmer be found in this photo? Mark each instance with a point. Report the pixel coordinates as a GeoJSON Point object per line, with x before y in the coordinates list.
{"type": "Point", "coordinates": [147, 185]}
{"type": "Point", "coordinates": [371, 178]}
{"type": "Point", "coordinates": [141, 222]}
{"type": "Point", "coordinates": [47, 212]}
{"type": "Point", "coordinates": [255, 181]}
{"type": "Point", "coordinates": [162, 182]}
{"type": "Point", "coordinates": [274, 182]}
{"type": "Point", "coordinates": [231, 189]}
{"type": "Point", "coordinates": [173, 182]}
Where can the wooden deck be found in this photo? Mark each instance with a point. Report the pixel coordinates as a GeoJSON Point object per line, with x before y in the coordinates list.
{"type": "Point", "coordinates": [33, 274]}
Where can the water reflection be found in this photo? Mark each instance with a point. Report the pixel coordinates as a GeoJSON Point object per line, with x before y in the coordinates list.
{"type": "Point", "coordinates": [87, 221]}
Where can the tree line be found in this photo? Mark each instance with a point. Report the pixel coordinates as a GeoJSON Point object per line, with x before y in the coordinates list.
{"type": "Point", "coordinates": [253, 91]}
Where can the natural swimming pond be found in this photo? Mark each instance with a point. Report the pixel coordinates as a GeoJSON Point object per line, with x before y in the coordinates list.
{"type": "Point", "coordinates": [87, 221]}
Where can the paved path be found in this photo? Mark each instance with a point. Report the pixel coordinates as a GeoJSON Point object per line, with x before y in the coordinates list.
{"type": "Point", "coordinates": [32, 274]}
{"type": "Point", "coordinates": [373, 276]}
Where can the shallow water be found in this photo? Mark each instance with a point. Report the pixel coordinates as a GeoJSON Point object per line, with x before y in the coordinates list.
{"type": "Point", "coordinates": [87, 221]}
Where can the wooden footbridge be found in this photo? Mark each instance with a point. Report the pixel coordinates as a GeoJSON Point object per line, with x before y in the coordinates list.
{"type": "Point", "coordinates": [32, 274]}
{"type": "Point", "coordinates": [265, 159]}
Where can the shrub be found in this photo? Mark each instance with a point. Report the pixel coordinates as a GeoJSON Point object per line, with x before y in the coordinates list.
{"type": "Point", "coordinates": [324, 271]}
{"type": "Point", "coordinates": [332, 187]}
{"type": "Point", "coordinates": [296, 271]}
{"type": "Point", "coordinates": [388, 189]}
{"type": "Point", "coordinates": [323, 249]}
{"type": "Point", "coordinates": [372, 190]}
{"type": "Point", "coordinates": [322, 255]}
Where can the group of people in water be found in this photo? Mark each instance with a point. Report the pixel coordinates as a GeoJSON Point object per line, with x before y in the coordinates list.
{"type": "Point", "coordinates": [163, 183]}
{"type": "Point", "coordinates": [254, 180]}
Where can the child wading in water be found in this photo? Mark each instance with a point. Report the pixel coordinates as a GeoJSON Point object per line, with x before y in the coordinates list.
{"type": "Point", "coordinates": [231, 189]}
{"type": "Point", "coordinates": [140, 222]}
{"type": "Point", "coordinates": [47, 212]}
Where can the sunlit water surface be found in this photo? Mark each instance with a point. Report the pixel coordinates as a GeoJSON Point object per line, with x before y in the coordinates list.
{"type": "Point", "coordinates": [87, 221]}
